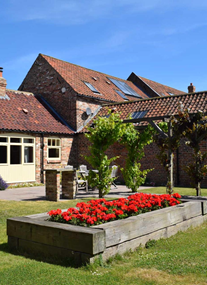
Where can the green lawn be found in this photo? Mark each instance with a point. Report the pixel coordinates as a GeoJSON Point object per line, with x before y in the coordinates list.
{"type": "Point", "coordinates": [180, 190]}
{"type": "Point", "coordinates": [181, 259]}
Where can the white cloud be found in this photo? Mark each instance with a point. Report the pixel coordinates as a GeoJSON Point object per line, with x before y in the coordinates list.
{"type": "Point", "coordinates": [73, 11]}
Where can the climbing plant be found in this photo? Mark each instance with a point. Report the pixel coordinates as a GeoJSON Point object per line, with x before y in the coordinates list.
{"type": "Point", "coordinates": [104, 133]}
{"type": "Point", "coordinates": [135, 141]}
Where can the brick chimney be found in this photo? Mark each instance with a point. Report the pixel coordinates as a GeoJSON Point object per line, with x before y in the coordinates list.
{"type": "Point", "coordinates": [191, 88]}
{"type": "Point", "coordinates": [3, 84]}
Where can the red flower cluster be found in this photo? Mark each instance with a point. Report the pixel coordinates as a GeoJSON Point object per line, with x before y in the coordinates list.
{"type": "Point", "coordinates": [100, 211]}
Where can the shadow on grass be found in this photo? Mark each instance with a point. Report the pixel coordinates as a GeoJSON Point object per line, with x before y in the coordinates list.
{"type": "Point", "coordinates": [42, 198]}
{"type": "Point", "coordinates": [62, 261]}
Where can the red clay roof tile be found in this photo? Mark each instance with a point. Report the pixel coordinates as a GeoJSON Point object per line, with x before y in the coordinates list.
{"type": "Point", "coordinates": [160, 106]}
{"type": "Point", "coordinates": [75, 76]}
{"type": "Point", "coordinates": [14, 115]}
{"type": "Point", "coordinates": [161, 89]}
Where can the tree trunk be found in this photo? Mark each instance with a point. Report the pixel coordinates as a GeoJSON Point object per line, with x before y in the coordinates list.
{"type": "Point", "coordinates": [198, 189]}
{"type": "Point", "coordinates": [100, 193]}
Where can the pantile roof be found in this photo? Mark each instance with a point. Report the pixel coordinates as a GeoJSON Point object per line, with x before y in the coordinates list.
{"type": "Point", "coordinates": [160, 106]}
{"type": "Point", "coordinates": [161, 89]}
{"type": "Point", "coordinates": [22, 111]}
{"type": "Point", "coordinates": [152, 88]}
{"type": "Point", "coordinates": [76, 75]}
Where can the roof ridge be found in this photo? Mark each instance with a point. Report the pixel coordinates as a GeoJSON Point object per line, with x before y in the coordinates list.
{"type": "Point", "coordinates": [44, 55]}
{"type": "Point", "coordinates": [19, 92]}
{"type": "Point", "coordinates": [154, 98]}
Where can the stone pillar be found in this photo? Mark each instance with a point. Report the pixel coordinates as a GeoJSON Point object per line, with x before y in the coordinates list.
{"type": "Point", "coordinates": [52, 185]}
{"type": "Point", "coordinates": [69, 185]}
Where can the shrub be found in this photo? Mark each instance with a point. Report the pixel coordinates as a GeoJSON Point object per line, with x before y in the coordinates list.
{"type": "Point", "coordinates": [3, 184]}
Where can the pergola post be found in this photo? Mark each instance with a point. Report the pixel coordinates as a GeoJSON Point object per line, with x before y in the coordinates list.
{"type": "Point", "coordinates": [170, 160]}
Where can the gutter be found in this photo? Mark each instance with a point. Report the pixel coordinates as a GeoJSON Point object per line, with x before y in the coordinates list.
{"type": "Point", "coordinates": [92, 97]}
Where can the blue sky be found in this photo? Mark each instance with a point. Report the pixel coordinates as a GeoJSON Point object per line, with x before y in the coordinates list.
{"type": "Point", "coordinates": [164, 41]}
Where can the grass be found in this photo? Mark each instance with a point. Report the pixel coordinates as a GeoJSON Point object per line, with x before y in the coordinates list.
{"type": "Point", "coordinates": [181, 259]}
{"type": "Point", "coordinates": [21, 185]}
{"type": "Point", "coordinates": [180, 190]}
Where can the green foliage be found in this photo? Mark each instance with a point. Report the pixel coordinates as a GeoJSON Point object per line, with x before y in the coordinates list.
{"type": "Point", "coordinates": [167, 143]}
{"type": "Point", "coordinates": [194, 129]}
{"type": "Point", "coordinates": [197, 170]}
{"type": "Point", "coordinates": [104, 133]}
{"type": "Point", "coordinates": [150, 243]}
{"type": "Point", "coordinates": [135, 142]}
{"type": "Point", "coordinates": [133, 176]}
{"type": "Point", "coordinates": [180, 259]}
{"type": "Point", "coordinates": [102, 178]}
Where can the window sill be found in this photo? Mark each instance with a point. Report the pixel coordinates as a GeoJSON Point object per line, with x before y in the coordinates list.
{"type": "Point", "coordinates": [53, 161]}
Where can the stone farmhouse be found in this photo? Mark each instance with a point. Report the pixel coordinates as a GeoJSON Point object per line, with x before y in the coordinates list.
{"type": "Point", "coordinates": [42, 125]}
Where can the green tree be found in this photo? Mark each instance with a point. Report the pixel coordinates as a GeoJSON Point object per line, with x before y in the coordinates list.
{"type": "Point", "coordinates": [135, 142]}
{"type": "Point", "coordinates": [104, 133]}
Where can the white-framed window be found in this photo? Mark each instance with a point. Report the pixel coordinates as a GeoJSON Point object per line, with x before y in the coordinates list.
{"type": "Point", "coordinates": [3, 150]}
{"type": "Point", "coordinates": [15, 150]}
{"type": "Point", "coordinates": [53, 149]}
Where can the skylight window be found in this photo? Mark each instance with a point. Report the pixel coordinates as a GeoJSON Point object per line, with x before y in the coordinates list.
{"type": "Point", "coordinates": [122, 95]}
{"type": "Point", "coordinates": [90, 86]}
{"type": "Point", "coordinates": [124, 87]}
{"type": "Point", "coordinates": [138, 114]}
{"type": "Point", "coordinates": [170, 93]}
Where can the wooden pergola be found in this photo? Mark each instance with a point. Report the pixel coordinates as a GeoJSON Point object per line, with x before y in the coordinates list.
{"type": "Point", "coordinates": [168, 119]}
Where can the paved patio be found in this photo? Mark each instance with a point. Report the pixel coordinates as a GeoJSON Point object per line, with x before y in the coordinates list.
{"type": "Point", "coordinates": [38, 193]}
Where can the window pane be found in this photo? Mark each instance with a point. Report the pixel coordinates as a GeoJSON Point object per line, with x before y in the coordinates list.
{"type": "Point", "coordinates": [53, 153]}
{"type": "Point", "coordinates": [91, 87]}
{"type": "Point", "coordinates": [28, 141]}
{"type": "Point", "coordinates": [28, 154]}
{"type": "Point", "coordinates": [3, 154]}
{"type": "Point", "coordinates": [49, 142]}
{"type": "Point", "coordinates": [58, 142]}
{"type": "Point", "coordinates": [53, 142]}
{"type": "Point", "coordinates": [3, 139]}
{"type": "Point", "coordinates": [15, 154]}
{"type": "Point", "coordinates": [15, 140]}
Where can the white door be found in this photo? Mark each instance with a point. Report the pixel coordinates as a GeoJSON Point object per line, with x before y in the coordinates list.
{"type": "Point", "coordinates": [17, 158]}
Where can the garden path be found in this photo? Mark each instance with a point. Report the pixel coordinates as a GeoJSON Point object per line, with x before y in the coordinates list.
{"type": "Point", "coordinates": [38, 193]}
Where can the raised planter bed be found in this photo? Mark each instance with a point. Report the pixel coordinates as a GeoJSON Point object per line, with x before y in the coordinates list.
{"type": "Point", "coordinates": [34, 234]}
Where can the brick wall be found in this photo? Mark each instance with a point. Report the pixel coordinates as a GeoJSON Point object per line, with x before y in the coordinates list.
{"type": "Point", "coordinates": [67, 157]}
{"type": "Point", "coordinates": [158, 174]}
{"type": "Point", "coordinates": [67, 154]}
{"type": "Point", "coordinates": [43, 80]}
{"type": "Point", "coordinates": [82, 104]}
